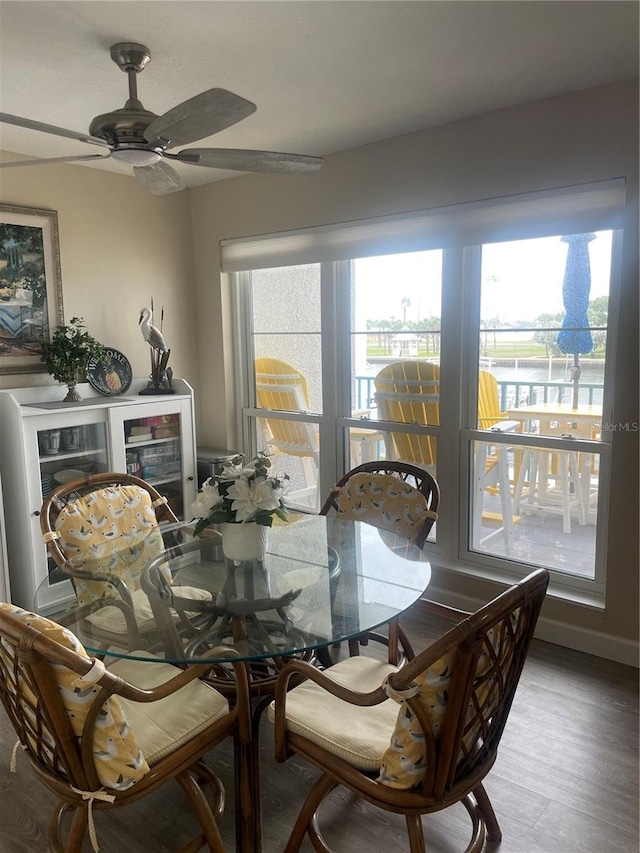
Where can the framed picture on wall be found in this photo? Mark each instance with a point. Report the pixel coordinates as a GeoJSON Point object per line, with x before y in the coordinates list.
{"type": "Point", "coordinates": [30, 286]}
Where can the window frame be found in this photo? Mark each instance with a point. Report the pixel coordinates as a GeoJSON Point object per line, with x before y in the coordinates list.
{"type": "Point", "coordinates": [461, 285]}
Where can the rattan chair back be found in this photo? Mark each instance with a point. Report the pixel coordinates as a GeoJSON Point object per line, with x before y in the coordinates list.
{"type": "Point", "coordinates": [420, 479]}
{"type": "Point", "coordinates": [484, 654]}
{"type": "Point", "coordinates": [110, 587]}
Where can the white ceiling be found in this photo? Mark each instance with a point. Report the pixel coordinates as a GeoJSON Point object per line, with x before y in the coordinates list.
{"type": "Point", "coordinates": [326, 75]}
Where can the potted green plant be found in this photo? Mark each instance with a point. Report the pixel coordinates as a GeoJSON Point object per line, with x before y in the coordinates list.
{"type": "Point", "coordinates": [67, 354]}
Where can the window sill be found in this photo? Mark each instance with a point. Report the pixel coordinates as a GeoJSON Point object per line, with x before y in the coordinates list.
{"type": "Point", "coordinates": [593, 599]}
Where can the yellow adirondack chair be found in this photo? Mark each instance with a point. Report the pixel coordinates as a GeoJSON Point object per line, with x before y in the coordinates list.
{"type": "Point", "coordinates": [281, 387]}
{"type": "Point", "coordinates": [491, 417]}
{"type": "Point", "coordinates": [489, 414]}
{"type": "Point", "coordinates": [493, 458]}
{"type": "Point", "coordinates": [408, 392]}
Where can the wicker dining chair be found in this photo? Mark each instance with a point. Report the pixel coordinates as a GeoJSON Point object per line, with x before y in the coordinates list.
{"type": "Point", "coordinates": [102, 530]}
{"type": "Point", "coordinates": [437, 747]}
{"type": "Point", "coordinates": [101, 738]}
{"type": "Point", "coordinates": [396, 497]}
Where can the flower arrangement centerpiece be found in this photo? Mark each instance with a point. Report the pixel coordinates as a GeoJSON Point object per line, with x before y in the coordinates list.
{"type": "Point", "coordinates": [243, 499]}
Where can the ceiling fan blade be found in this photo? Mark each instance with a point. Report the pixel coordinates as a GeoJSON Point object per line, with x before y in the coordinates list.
{"type": "Point", "coordinates": [30, 124]}
{"type": "Point", "coordinates": [249, 161]}
{"type": "Point", "coordinates": [159, 178]}
{"type": "Point", "coordinates": [199, 117]}
{"type": "Point", "coordinates": [49, 160]}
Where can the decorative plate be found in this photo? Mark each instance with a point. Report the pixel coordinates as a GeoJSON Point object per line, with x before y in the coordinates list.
{"type": "Point", "coordinates": [111, 375]}
{"type": "Point", "coordinates": [66, 475]}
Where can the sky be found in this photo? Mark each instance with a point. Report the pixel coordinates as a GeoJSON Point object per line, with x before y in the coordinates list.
{"type": "Point", "coordinates": [520, 280]}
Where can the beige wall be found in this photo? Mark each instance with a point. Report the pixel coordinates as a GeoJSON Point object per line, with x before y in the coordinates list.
{"type": "Point", "coordinates": [587, 136]}
{"type": "Point", "coordinates": [119, 246]}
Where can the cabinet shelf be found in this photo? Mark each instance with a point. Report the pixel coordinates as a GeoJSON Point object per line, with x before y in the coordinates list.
{"type": "Point", "coordinates": [69, 454]}
{"type": "Point", "coordinates": [149, 442]}
{"type": "Point", "coordinates": [163, 481]}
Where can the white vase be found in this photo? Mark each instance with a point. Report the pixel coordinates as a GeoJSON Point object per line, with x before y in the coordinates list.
{"type": "Point", "coordinates": [244, 541]}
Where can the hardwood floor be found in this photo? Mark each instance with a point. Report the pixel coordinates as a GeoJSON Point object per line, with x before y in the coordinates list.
{"type": "Point", "coordinates": [566, 778]}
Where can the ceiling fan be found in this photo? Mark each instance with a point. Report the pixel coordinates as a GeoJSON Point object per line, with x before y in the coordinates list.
{"type": "Point", "coordinates": [141, 138]}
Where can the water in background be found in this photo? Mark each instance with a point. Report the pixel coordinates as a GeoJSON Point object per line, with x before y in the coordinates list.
{"type": "Point", "coordinates": [591, 373]}
{"type": "Point", "coordinates": [526, 371]}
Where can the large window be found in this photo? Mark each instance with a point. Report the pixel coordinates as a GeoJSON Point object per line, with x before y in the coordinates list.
{"type": "Point", "coordinates": [541, 374]}
{"type": "Point", "coordinates": [482, 362]}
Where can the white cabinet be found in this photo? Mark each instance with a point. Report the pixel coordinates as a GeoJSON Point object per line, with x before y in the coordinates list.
{"type": "Point", "coordinates": [43, 441]}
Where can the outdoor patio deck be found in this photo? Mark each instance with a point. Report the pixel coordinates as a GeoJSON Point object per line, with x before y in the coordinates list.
{"type": "Point", "coordinates": [538, 539]}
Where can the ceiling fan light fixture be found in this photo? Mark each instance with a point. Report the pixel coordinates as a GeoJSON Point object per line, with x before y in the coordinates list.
{"type": "Point", "coordinates": [136, 156]}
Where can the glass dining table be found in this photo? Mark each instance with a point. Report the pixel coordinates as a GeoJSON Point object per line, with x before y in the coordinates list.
{"type": "Point", "coordinates": [322, 581]}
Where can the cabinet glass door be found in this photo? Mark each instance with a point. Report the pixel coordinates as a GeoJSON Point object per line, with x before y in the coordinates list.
{"type": "Point", "coordinates": [153, 451]}
{"type": "Point", "coordinates": [67, 451]}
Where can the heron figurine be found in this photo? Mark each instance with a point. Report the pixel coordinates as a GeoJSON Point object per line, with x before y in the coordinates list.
{"type": "Point", "coordinates": [160, 352]}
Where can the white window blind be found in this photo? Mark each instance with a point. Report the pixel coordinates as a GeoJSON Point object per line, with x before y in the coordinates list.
{"type": "Point", "coordinates": [570, 210]}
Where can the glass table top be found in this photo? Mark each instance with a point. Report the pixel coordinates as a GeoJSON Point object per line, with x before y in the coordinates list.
{"type": "Point", "coordinates": [322, 580]}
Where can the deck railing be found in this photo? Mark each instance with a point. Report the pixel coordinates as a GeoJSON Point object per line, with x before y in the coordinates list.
{"type": "Point", "coordinates": [512, 394]}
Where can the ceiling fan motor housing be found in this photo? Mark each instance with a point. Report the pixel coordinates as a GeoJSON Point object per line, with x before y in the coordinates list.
{"type": "Point", "coordinates": [125, 126]}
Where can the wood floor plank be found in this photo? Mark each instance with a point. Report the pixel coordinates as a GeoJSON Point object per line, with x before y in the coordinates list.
{"type": "Point", "coordinates": [579, 724]}
{"type": "Point", "coordinates": [584, 831]}
{"type": "Point", "coordinates": [551, 774]}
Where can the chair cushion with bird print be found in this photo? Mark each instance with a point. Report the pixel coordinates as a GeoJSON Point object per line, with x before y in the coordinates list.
{"type": "Point", "coordinates": [404, 762]}
{"type": "Point", "coordinates": [384, 501]}
{"type": "Point", "coordinates": [112, 531]}
{"type": "Point", "coordinates": [118, 759]}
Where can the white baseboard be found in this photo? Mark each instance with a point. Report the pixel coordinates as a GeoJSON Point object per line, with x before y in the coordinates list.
{"type": "Point", "coordinates": [586, 640]}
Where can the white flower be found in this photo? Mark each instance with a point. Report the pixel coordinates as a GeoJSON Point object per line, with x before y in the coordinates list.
{"type": "Point", "coordinates": [239, 494]}
{"type": "Point", "coordinates": [231, 471]}
{"type": "Point", "coordinates": [206, 499]}
{"type": "Point", "coordinates": [250, 497]}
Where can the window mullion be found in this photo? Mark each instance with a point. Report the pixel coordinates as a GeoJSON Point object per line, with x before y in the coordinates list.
{"type": "Point", "coordinates": [244, 352]}
{"type": "Point", "coordinates": [453, 267]}
{"type": "Point", "coordinates": [332, 311]}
